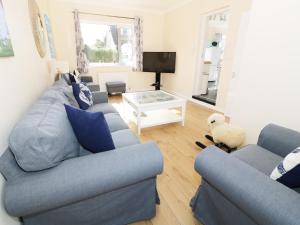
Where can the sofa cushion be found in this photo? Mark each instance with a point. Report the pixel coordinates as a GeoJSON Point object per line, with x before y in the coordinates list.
{"type": "Point", "coordinates": [64, 91]}
{"type": "Point", "coordinates": [71, 99]}
{"type": "Point", "coordinates": [123, 138]}
{"type": "Point", "coordinates": [103, 107]}
{"type": "Point", "coordinates": [84, 152]}
{"type": "Point", "coordinates": [259, 158]}
{"type": "Point", "coordinates": [68, 92]}
{"type": "Point", "coordinates": [43, 138]}
{"type": "Point", "coordinates": [60, 83]}
{"type": "Point", "coordinates": [53, 95]}
{"type": "Point", "coordinates": [91, 129]}
{"type": "Point", "coordinates": [9, 167]}
{"type": "Point", "coordinates": [115, 122]}
{"type": "Point", "coordinates": [288, 171]}
{"type": "Point", "coordinates": [66, 78]}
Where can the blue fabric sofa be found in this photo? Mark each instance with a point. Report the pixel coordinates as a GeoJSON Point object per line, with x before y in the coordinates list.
{"type": "Point", "coordinates": [236, 188]}
{"type": "Point", "coordinates": [112, 188]}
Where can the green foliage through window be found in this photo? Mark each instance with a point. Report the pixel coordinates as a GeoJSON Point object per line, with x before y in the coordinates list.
{"type": "Point", "coordinates": [108, 43]}
{"type": "Point", "coordinates": [101, 55]}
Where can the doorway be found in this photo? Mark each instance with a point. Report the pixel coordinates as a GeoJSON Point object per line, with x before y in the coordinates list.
{"type": "Point", "coordinates": [210, 62]}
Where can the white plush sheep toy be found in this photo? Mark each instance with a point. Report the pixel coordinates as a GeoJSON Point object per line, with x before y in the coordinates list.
{"type": "Point", "coordinates": [224, 134]}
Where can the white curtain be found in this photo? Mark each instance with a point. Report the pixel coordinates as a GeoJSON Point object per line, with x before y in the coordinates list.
{"type": "Point", "coordinates": [82, 61]}
{"type": "Point", "coordinates": [138, 45]}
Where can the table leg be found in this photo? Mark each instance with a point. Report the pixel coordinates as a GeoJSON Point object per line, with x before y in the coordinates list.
{"type": "Point", "coordinates": [125, 110]}
{"type": "Point", "coordinates": [138, 117]}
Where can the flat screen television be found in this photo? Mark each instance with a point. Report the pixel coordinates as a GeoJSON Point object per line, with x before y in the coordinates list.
{"type": "Point", "coordinates": [159, 62]}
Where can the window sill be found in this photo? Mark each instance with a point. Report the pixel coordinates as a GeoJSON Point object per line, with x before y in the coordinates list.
{"type": "Point", "coordinates": [108, 65]}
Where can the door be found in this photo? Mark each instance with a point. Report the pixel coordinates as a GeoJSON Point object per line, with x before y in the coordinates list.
{"type": "Point", "coordinates": [210, 63]}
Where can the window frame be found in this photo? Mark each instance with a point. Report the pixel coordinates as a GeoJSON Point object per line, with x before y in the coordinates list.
{"type": "Point", "coordinates": [109, 23]}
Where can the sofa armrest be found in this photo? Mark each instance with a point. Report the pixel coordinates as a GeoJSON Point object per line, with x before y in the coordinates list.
{"type": "Point", "coordinates": [82, 178]}
{"type": "Point", "coordinates": [86, 79]}
{"type": "Point", "coordinates": [279, 140]}
{"type": "Point", "coordinates": [100, 97]}
{"type": "Point", "coordinates": [264, 200]}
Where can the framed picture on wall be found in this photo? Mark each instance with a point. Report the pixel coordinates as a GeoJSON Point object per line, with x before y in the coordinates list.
{"type": "Point", "coordinates": [6, 49]}
{"type": "Point", "coordinates": [50, 37]}
{"type": "Point", "coordinates": [37, 27]}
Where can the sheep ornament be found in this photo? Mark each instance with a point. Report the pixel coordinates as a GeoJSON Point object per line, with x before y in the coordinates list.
{"type": "Point", "coordinates": [224, 135]}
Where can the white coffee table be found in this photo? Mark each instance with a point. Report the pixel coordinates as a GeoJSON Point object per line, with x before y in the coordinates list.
{"type": "Point", "coordinates": [153, 108]}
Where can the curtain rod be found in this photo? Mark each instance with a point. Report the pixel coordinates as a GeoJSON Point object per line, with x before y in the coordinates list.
{"type": "Point", "coordinates": [96, 14]}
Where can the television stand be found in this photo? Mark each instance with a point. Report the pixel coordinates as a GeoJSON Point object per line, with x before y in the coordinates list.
{"type": "Point", "coordinates": [157, 83]}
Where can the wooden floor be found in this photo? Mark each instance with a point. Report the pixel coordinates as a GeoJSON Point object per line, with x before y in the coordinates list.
{"type": "Point", "coordinates": [179, 181]}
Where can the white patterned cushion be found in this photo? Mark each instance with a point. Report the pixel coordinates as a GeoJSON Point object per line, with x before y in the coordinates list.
{"type": "Point", "coordinates": [288, 171]}
{"type": "Point", "coordinates": [82, 95]}
{"type": "Point", "coordinates": [87, 92]}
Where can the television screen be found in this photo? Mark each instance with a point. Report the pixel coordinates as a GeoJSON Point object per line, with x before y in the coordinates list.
{"type": "Point", "coordinates": [159, 62]}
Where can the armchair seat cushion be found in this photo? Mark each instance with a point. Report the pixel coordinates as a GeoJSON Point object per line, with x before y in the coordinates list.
{"type": "Point", "coordinates": [259, 158]}
{"type": "Point", "coordinates": [103, 107]}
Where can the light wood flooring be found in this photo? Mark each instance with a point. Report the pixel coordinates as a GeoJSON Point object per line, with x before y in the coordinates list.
{"type": "Point", "coordinates": [179, 181]}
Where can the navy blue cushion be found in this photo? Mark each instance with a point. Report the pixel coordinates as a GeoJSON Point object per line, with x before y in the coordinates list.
{"type": "Point", "coordinates": [91, 129]}
{"type": "Point", "coordinates": [82, 95]}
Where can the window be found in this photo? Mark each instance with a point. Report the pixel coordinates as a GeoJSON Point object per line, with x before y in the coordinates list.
{"type": "Point", "coordinates": [108, 44]}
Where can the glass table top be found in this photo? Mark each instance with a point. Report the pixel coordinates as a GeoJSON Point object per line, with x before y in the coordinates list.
{"type": "Point", "coordinates": [150, 97]}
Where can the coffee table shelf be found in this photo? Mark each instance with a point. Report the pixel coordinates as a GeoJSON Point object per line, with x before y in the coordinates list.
{"type": "Point", "coordinates": [159, 117]}
{"type": "Point", "coordinates": [154, 108]}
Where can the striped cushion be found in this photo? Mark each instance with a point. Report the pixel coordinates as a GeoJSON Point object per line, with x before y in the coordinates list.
{"type": "Point", "coordinates": [288, 171]}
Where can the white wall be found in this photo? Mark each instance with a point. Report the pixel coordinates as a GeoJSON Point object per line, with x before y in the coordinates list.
{"type": "Point", "coordinates": [63, 26]}
{"type": "Point", "coordinates": [178, 30]}
{"type": "Point", "coordinates": [24, 77]}
{"type": "Point", "coordinates": [183, 35]}
{"type": "Point", "coordinates": [267, 88]}
{"type": "Point", "coordinates": [237, 10]}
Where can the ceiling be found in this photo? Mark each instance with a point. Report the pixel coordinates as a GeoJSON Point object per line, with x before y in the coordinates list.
{"type": "Point", "coordinates": [145, 5]}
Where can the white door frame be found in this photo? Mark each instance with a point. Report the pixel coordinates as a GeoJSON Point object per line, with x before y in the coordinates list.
{"type": "Point", "coordinates": [200, 46]}
{"type": "Point", "coordinates": [237, 62]}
